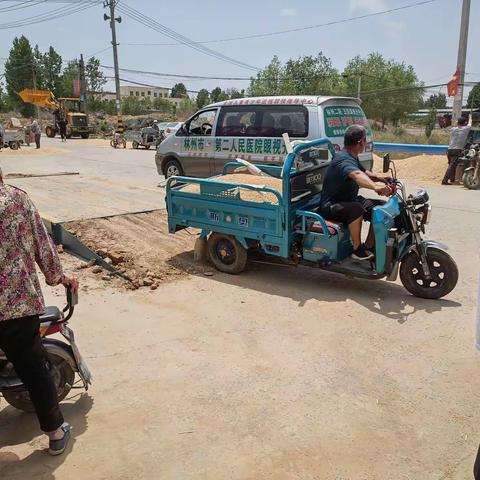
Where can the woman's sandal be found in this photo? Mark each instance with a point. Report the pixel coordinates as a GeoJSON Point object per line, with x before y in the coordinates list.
{"type": "Point", "coordinates": [57, 447]}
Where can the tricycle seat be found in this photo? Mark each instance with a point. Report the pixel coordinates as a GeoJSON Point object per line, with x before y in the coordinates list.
{"type": "Point", "coordinates": [316, 227]}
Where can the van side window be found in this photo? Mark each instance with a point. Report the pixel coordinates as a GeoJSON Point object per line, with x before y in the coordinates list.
{"type": "Point", "coordinates": [202, 123]}
{"type": "Point", "coordinates": [263, 121]}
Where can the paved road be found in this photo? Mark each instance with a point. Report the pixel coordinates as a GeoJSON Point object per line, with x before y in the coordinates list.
{"type": "Point", "coordinates": [109, 182]}
{"type": "Point", "coordinates": [274, 374]}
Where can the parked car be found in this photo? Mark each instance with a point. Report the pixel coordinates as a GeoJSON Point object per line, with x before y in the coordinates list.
{"type": "Point", "coordinates": [172, 127]}
{"type": "Point", "coordinates": [252, 128]}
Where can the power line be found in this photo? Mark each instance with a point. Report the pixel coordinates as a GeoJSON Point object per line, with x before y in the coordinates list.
{"type": "Point", "coordinates": [299, 29]}
{"type": "Point", "coordinates": [158, 27]}
{"type": "Point", "coordinates": [51, 15]}
{"type": "Point", "coordinates": [26, 4]}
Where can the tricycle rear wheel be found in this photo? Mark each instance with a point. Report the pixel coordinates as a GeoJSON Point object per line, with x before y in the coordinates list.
{"type": "Point", "coordinates": [443, 270]}
{"type": "Point", "coordinates": [226, 253]}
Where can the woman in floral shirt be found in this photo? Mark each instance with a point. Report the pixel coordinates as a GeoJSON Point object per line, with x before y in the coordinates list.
{"type": "Point", "coordinates": [24, 243]}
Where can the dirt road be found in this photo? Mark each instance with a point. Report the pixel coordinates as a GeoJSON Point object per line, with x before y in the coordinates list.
{"type": "Point", "coordinates": [275, 374]}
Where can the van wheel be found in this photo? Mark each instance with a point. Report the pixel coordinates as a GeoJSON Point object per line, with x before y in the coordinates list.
{"type": "Point", "coordinates": [226, 253]}
{"type": "Point", "coordinates": [135, 144]}
{"type": "Point", "coordinates": [172, 168]}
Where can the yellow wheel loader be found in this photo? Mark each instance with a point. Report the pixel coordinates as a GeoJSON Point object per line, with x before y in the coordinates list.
{"type": "Point", "coordinates": [71, 109]}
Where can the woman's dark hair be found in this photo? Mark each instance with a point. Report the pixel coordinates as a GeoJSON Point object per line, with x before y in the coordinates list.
{"type": "Point", "coordinates": [462, 121]}
{"type": "Point", "coordinates": [353, 135]}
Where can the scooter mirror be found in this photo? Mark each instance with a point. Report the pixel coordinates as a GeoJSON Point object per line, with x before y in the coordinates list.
{"type": "Point", "coordinates": [386, 163]}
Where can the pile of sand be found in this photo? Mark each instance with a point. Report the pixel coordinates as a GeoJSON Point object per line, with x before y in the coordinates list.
{"type": "Point", "coordinates": [244, 193]}
{"type": "Point", "coordinates": [31, 150]}
{"type": "Point", "coordinates": [425, 168]}
{"type": "Point", "coordinates": [139, 246]}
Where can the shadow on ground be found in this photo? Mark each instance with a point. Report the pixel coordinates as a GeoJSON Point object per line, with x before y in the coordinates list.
{"type": "Point", "coordinates": [302, 284]}
{"type": "Point", "coordinates": [18, 427]}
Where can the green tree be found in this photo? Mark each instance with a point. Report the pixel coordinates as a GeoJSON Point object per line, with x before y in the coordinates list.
{"type": "Point", "coordinates": [474, 97]}
{"type": "Point", "coordinates": [51, 67]}
{"type": "Point", "coordinates": [218, 95]}
{"type": "Point", "coordinates": [70, 73]}
{"type": "Point", "coordinates": [162, 105]}
{"type": "Point", "coordinates": [179, 90]}
{"type": "Point", "coordinates": [310, 76]}
{"type": "Point", "coordinates": [234, 93]}
{"type": "Point", "coordinates": [389, 89]}
{"type": "Point", "coordinates": [186, 108]}
{"type": "Point", "coordinates": [268, 80]}
{"type": "Point", "coordinates": [203, 98]}
{"type": "Point", "coordinates": [430, 121]}
{"type": "Point", "coordinates": [437, 101]}
{"type": "Point", "coordinates": [3, 100]}
{"type": "Point", "coordinates": [307, 75]}
{"type": "Point", "coordinates": [19, 74]}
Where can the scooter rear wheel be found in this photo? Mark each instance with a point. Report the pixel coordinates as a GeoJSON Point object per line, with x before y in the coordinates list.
{"type": "Point", "coordinates": [63, 377]}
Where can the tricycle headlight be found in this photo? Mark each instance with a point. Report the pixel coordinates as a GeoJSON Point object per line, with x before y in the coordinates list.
{"type": "Point", "coordinates": [428, 214]}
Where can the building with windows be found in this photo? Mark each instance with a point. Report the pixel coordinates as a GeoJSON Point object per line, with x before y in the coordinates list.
{"type": "Point", "coordinates": [143, 92]}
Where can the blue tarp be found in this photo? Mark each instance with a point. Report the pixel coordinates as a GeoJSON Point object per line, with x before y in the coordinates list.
{"type": "Point", "coordinates": [410, 147]}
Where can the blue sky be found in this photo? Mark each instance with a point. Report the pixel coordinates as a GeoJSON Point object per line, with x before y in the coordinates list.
{"type": "Point", "coordinates": [425, 36]}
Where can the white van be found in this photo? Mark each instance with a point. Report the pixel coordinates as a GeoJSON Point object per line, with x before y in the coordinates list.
{"type": "Point", "coordinates": [252, 128]}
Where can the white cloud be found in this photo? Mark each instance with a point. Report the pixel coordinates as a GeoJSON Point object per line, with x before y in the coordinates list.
{"type": "Point", "coordinates": [288, 12]}
{"type": "Point", "coordinates": [367, 6]}
{"type": "Point", "coordinates": [393, 28]}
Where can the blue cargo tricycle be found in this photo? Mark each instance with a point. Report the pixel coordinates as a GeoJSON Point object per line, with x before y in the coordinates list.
{"type": "Point", "coordinates": [285, 223]}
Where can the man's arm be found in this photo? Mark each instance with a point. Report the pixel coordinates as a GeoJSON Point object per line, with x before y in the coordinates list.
{"type": "Point", "coordinates": [364, 181]}
{"type": "Point", "coordinates": [377, 178]}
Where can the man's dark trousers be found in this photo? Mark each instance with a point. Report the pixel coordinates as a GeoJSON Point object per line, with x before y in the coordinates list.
{"type": "Point", "coordinates": [453, 156]}
{"type": "Point", "coordinates": [22, 344]}
{"type": "Point", "coordinates": [37, 139]}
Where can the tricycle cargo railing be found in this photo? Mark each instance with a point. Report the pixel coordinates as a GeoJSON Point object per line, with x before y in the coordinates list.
{"type": "Point", "coordinates": [224, 186]}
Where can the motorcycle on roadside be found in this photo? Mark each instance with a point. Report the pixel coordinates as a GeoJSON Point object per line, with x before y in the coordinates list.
{"type": "Point", "coordinates": [471, 171]}
{"type": "Point", "coordinates": [64, 359]}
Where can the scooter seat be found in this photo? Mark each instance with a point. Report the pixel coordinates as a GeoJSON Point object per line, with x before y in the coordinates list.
{"type": "Point", "coordinates": [52, 314]}
{"type": "Point", "coordinates": [333, 228]}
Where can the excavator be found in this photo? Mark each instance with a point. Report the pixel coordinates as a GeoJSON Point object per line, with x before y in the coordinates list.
{"type": "Point", "coordinates": [72, 109]}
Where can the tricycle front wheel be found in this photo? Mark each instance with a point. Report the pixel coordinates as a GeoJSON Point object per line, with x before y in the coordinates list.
{"type": "Point", "coordinates": [226, 253]}
{"type": "Point", "coordinates": [443, 271]}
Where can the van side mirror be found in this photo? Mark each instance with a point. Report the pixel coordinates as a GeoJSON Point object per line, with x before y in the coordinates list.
{"type": "Point", "coordinates": [386, 163]}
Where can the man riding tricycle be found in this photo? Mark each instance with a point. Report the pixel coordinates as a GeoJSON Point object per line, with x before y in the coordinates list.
{"type": "Point", "coordinates": [308, 212]}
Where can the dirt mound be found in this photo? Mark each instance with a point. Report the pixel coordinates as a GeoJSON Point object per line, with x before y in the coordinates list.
{"type": "Point", "coordinates": [425, 168]}
{"type": "Point", "coordinates": [139, 246]}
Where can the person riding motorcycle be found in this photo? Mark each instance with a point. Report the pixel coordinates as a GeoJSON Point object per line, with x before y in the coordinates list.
{"type": "Point", "coordinates": [24, 242]}
{"type": "Point", "coordinates": [340, 200]}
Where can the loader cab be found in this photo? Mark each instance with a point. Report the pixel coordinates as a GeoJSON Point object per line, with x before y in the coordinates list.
{"type": "Point", "coordinates": [71, 105]}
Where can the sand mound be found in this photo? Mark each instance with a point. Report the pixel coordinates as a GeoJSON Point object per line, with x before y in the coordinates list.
{"type": "Point", "coordinates": [23, 151]}
{"type": "Point", "coordinates": [245, 194]}
{"type": "Point", "coordinates": [139, 246]}
{"type": "Point", "coordinates": [425, 168]}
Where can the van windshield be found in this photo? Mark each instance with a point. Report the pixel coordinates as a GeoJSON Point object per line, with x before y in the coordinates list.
{"type": "Point", "coordinates": [339, 118]}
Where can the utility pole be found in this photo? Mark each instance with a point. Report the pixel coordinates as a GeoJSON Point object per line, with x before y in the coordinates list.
{"type": "Point", "coordinates": [34, 81]}
{"type": "Point", "coordinates": [461, 60]}
{"type": "Point", "coordinates": [112, 4]}
{"type": "Point", "coordinates": [83, 86]}
{"type": "Point", "coordinates": [359, 88]}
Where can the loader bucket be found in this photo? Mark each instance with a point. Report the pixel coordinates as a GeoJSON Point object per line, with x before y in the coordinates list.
{"type": "Point", "coordinates": [39, 98]}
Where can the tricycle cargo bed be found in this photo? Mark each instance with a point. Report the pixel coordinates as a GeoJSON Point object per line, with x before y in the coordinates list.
{"type": "Point", "coordinates": [250, 210]}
